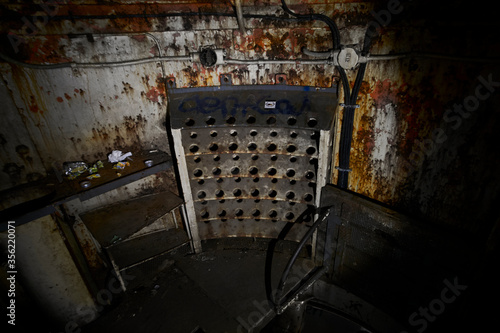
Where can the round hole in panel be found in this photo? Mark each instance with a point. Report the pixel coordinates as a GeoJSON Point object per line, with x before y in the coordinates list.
{"type": "Point", "coordinates": [239, 200]}
{"type": "Point", "coordinates": [256, 180]}
{"type": "Point", "coordinates": [273, 193]}
{"type": "Point", "coordinates": [271, 171]}
{"type": "Point", "coordinates": [312, 122]}
{"type": "Point", "coordinates": [219, 180]}
{"type": "Point", "coordinates": [274, 157]}
{"type": "Point", "coordinates": [254, 192]}
{"type": "Point", "coordinates": [293, 134]}
{"type": "Point", "coordinates": [198, 172]}
{"type": "Point", "coordinates": [273, 133]}
{"type": "Point", "coordinates": [222, 201]}
{"type": "Point", "coordinates": [222, 213]}
{"type": "Point", "coordinates": [237, 192]}
{"type": "Point", "coordinates": [197, 159]}
{"type": "Point", "coordinates": [216, 171]}
{"type": "Point", "coordinates": [253, 170]}
{"type": "Point", "coordinates": [236, 157]}
{"type": "Point", "coordinates": [237, 179]}
{"type": "Point", "coordinates": [219, 193]}
{"type": "Point", "coordinates": [309, 175]}
{"type": "Point", "coordinates": [201, 182]}
{"type": "Point", "coordinates": [290, 173]}
{"type": "Point", "coordinates": [233, 132]}
{"type": "Point", "coordinates": [201, 194]}
{"type": "Point", "coordinates": [189, 122]}
{"type": "Point", "coordinates": [271, 147]}
{"type": "Point", "coordinates": [238, 212]}
{"type": "Point", "coordinates": [251, 119]}
{"type": "Point", "coordinates": [213, 134]}
{"type": "Point", "coordinates": [310, 150]}
{"type": "Point", "coordinates": [293, 182]}
{"type": "Point", "coordinates": [235, 170]}
{"type": "Point", "coordinates": [252, 146]}
{"type": "Point", "coordinates": [274, 180]}
{"type": "Point", "coordinates": [253, 132]}
{"type": "Point", "coordinates": [204, 214]}
{"type": "Point", "coordinates": [271, 120]}
{"type": "Point", "coordinates": [293, 159]}
{"type": "Point", "coordinates": [193, 148]}
{"type": "Point", "coordinates": [210, 120]}
{"type": "Point", "coordinates": [308, 197]}
{"type": "Point", "coordinates": [291, 121]}
{"type": "Point", "coordinates": [315, 135]}
{"type": "Point", "coordinates": [216, 158]}
{"type": "Point", "coordinates": [289, 216]}
{"type": "Point", "coordinates": [230, 120]}
{"type": "Point", "coordinates": [255, 157]}
{"type": "Point", "coordinates": [193, 135]}
{"type": "Point", "coordinates": [204, 202]}
{"type": "Point", "coordinates": [272, 213]}
{"type": "Point", "coordinates": [291, 148]}
{"type": "Point", "coordinates": [290, 195]}
{"type": "Point", "coordinates": [255, 212]}
{"type": "Point", "coordinates": [233, 146]}
{"type": "Point", "coordinates": [213, 147]}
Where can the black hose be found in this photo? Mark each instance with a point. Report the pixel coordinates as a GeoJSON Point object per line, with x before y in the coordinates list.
{"type": "Point", "coordinates": [292, 260]}
{"type": "Point", "coordinates": [320, 17]}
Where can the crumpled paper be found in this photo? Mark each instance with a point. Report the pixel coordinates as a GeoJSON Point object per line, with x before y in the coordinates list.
{"type": "Point", "coordinates": [117, 156]}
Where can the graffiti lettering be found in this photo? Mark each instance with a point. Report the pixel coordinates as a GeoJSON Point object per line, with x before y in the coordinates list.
{"type": "Point", "coordinates": [231, 105]}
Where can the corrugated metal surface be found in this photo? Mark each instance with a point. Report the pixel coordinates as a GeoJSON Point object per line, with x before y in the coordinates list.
{"type": "Point", "coordinates": [83, 113]}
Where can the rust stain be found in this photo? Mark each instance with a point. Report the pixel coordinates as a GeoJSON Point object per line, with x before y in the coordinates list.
{"type": "Point", "coordinates": [153, 94]}
{"type": "Point", "coordinates": [68, 97]}
{"type": "Point", "coordinates": [60, 99]}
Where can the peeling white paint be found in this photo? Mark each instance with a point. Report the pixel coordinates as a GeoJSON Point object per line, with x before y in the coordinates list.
{"type": "Point", "coordinates": [384, 134]}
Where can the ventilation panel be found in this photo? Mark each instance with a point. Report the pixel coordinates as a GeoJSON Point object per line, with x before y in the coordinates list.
{"type": "Point", "coordinates": [251, 158]}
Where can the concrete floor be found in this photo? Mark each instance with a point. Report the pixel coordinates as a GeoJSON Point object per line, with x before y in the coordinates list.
{"type": "Point", "coordinates": [220, 290]}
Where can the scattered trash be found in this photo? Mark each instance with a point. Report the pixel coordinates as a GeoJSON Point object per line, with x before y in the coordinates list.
{"type": "Point", "coordinates": [121, 165]}
{"type": "Point", "coordinates": [94, 175]}
{"type": "Point", "coordinates": [115, 239]}
{"type": "Point", "coordinates": [148, 163]}
{"type": "Point", "coordinates": [74, 169]}
{"type": "Point", "coordinates": [117, 156]}
{"type": "Point", "coordinates": [118, 174]}
{"type": "Point", "coordinates": [85, 184]}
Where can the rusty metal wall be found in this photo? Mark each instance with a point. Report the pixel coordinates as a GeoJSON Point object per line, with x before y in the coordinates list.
{"type": "Point", "coordinates": [408, 150]}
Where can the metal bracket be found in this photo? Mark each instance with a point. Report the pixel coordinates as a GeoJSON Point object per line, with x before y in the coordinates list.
{"type": "Point", "coordinates": [281, 79]}
{"type": "Point", "coordinates": [171, 82]}
{"type": "Point", "coordinates": [355, 106]}
{"type": "Point", "coordinates": [226, 80]}
{"type": "Point", "coordinates": [342, 169]}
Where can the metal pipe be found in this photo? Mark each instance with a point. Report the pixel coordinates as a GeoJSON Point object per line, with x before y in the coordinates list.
{"type": "Point", "coordinates": [276, 62]}
{"type": "Point", "coordinates": [239, 17]}
{"type": "Point", "coordinates": [315, 54]}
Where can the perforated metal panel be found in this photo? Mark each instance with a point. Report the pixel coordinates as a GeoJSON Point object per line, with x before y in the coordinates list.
{"type": "Point", "coordinates": [251, 158]}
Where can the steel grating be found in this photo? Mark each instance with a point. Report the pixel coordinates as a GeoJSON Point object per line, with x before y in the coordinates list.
{"type": "Point", "coordinates": [250, 158]}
